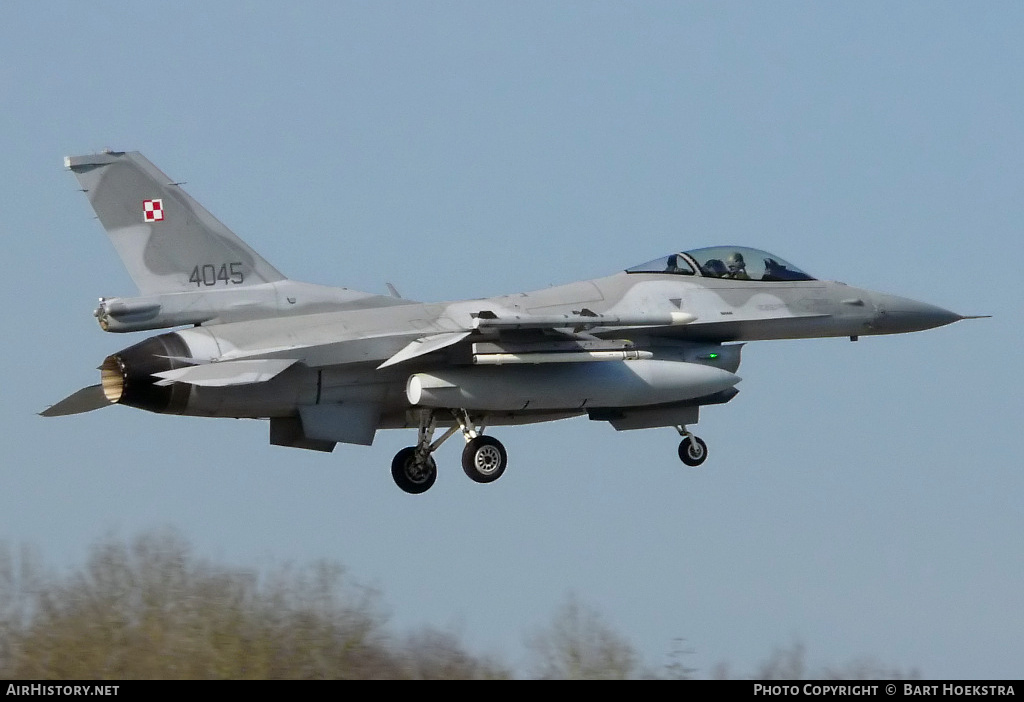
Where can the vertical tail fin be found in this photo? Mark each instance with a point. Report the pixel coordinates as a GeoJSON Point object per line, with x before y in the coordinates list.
{"type": "Point", "coordinates": [167, 241]}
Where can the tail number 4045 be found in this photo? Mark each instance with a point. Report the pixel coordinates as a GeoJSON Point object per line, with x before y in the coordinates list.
{"type": "Point", "coordinates": [210, 274]}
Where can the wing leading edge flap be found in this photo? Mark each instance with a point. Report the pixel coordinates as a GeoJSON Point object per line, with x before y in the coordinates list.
{"type": "Point", "coordinates": [225, 373]}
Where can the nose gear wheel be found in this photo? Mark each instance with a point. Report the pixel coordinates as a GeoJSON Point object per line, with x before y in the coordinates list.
{"type": "Point", "coordinates": [693, 451]}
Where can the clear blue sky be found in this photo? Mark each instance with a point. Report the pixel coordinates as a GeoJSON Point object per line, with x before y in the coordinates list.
{"type": "Point", "coordinates": [864, 499]}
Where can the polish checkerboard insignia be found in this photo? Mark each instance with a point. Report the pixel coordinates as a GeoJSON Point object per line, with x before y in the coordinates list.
{"type": "Point", "coordinates": [153, 210]}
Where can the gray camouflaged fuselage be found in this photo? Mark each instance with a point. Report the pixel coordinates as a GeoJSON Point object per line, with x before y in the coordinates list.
{"type": "Point", "coordinates": [642, 348]}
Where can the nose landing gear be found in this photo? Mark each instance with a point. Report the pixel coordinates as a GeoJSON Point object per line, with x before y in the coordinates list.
{"type": "Point", "coordinates": [692, 449]}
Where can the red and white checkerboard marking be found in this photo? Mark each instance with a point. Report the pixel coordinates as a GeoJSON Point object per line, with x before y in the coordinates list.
{"type": "Point", "coordinates": [153, 210]}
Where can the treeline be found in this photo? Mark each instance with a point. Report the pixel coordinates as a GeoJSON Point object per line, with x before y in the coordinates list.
{"type": "Point", "coordinates": [151, 609]}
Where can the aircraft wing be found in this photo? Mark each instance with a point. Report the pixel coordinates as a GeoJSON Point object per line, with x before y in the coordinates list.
{"type": "Point", "coordinates": [488, 321]}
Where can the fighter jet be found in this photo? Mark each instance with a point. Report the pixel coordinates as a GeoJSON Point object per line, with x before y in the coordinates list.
{"type": "Point", "coordinates": [644, 347]}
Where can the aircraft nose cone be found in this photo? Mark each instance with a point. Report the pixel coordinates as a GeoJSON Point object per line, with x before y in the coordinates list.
{"type": "Point", "coordinates": [895, 315]}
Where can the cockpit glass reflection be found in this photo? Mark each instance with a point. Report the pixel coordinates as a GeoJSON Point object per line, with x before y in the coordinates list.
{"type": "Point", "coordinates": [741, 263]}
{"type": "Point", "coordinates": [673, 263]}
{"type": "Point", "coordinates": [730, 262]}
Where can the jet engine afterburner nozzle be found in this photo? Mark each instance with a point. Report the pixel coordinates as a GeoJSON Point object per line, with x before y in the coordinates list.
{"type": "Point", "coordinates": [127, 376]}
{"type": "Point", "coordinates": [112, 378]}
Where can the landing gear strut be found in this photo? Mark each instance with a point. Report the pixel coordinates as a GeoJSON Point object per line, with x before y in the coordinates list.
{"type": "Point", "coordinates": [484, 459]}
{"type": "Point", "coordinates": [692, 449]}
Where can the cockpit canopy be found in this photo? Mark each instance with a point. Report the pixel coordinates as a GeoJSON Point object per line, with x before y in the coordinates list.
{"type": "Point", "coordinates": [731, 262]}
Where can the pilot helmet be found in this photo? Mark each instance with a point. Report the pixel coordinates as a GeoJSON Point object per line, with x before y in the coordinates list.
{"type": "Point", "coordinates": [735, 261]}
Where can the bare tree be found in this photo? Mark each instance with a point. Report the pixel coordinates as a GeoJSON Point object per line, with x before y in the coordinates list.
{"type": "Point", "coordinates": [579, 645]}
{"type": "Point", "coordinates": [150, 608]}
{"type": "Point", "coordinates": [436, 655]}
{"type": "Point", "coordinates": [789, 664]}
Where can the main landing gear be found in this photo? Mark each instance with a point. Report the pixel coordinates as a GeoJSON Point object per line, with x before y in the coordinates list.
{"type": "Point", "coordinates": [692, 449]}
{"type": "Point", "coordinates": [483, 459]}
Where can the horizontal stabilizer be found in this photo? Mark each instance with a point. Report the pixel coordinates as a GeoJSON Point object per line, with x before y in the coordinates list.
{"type": "Point", "coordinates": [425, 345]}
{"type": "Point", "coordinates": [580, 321]}
{"type": "Point", "coordinates": [84, 400]}
{"type": "Point", "coordinates": [216, 375]}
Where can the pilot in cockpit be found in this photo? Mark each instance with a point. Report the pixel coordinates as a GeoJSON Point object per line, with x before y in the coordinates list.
{"type": "Point", "coordinates": [737, 266]}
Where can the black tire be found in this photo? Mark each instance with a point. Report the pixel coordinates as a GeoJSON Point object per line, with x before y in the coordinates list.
{"type": "Point", "coordinates": [484, 459]}
{"type": "Point", "coordinates": [694, 452]}
{"type": "Point", "coordinates": [410, 477]}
